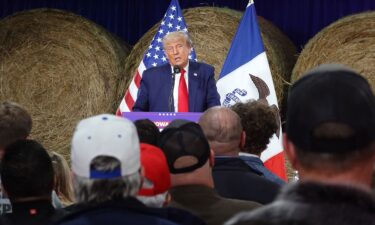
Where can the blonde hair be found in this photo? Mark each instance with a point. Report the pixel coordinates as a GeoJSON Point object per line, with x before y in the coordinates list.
{"type": "Point", "coordinates": [177, 35]}
{"type": "Point", "coordinates": [63, 180]}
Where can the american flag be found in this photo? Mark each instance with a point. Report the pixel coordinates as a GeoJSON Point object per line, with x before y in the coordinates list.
{"type": "Point", "coordinates": [154, 56]}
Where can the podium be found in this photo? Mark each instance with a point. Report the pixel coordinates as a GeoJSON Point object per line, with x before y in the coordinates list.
{"type": "Point", "coordinates": [162, 119]}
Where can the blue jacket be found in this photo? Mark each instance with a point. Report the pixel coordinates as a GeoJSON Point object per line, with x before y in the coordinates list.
{"type": "Point", "coordinates": [156, 84]}
{"type": "Point", "coordinates": [256, 164]}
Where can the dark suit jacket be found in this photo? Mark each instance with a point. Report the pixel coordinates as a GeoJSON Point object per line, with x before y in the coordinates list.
{"type": "Point", "coordinates": [156, 85]}
{"type": "Point", "coordinates": [235, 179]}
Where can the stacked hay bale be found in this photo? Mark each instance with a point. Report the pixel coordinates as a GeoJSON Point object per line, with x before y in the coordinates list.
{"type": "Point", "coordinates": [212, 30]}
{"type": "Point", "coordinates": [61, 67]}
{"type": "Point", "coordinates": [349, 41]}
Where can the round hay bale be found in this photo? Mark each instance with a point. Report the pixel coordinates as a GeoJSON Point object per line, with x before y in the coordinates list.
{"type": "Point", "coordinates": [212, 30]}
{"type": "Point", "coordinates": [349, 41]}
{"type": "Point", "coordinates": [61, 67]}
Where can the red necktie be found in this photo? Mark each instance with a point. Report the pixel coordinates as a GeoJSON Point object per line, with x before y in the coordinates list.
{"type": "Point", "coordinates": [183, 96]}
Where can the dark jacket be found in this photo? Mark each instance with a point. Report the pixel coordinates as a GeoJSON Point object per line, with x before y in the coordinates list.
{"type": "Point", "coordinates": [204, 202]}
{"type": "Point", "coordinates": [127, 211]}
{"type": "Point", "coordinates": [156, 84]}
{"type": "Point", "coordinates": [314, 204]}
{"type": "Point", "coordinates": [39, 212]}
{"type": "Point", "coordinates": [235, 179]}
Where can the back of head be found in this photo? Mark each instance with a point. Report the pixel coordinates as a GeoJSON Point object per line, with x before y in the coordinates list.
{"type": "Point", "coordinates": [147, 131]}
{"type": "Point", "coordinates": [184, 146]}
{"type": "Point", "coordinates": [15, 123]}
{"type": "Point", "coordinates": [222, 128]}
{"type": "Point", "coordinates": [259, 122]}
{"type": "Point", "coordinates": [63, 179]}
{"type": "Point", "coordinates": [26, 171]}
{"type": "Point", "coordinates": [331, 118]}
{"type": "Point", "coordinates": [105, 159]}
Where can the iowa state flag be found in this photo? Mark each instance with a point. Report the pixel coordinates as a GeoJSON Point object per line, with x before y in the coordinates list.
{"type": "Point", "coordinates": [246, 75]}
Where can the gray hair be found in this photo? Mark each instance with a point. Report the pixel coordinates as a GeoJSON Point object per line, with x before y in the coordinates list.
{"type": "Point", "coordinates": [342, 162]}
{"type": "Point", "coordinates": [100, 190]}
{"type": "Point", "coordinates": [156, 201]}
{"type": "Point", "coordinates": [177, 35]}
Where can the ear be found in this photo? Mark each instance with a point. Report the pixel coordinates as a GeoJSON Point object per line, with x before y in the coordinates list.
{"type": "Point", "coordinates": [242, 140]}
{"type": "Point", "coordinates": [168, 199]}
{"type": "Point", "coordinates": [212, 158]}
{"type": "Point", "coordinates": [290, 152]}
{"type": "Point", "coordinates": [142, 173]}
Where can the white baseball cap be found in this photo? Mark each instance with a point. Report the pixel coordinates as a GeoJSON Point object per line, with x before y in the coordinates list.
{"type": "Point", "coordinates": [105, 135]}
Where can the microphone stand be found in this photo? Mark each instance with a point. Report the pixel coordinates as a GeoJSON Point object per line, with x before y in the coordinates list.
{"type": "Point", "coordinates": [176, 70]}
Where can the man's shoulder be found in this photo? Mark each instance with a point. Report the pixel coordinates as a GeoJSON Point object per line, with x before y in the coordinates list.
{"type": "Point", "coordinates": [238, 166]}
{"type": "Point", "coordinates": [237, 204]}
{"type": "Point", "coordinates": [179, 215]}
{"type": "Point", "coordinates": [200, 65]}
{"type": "Point", "coordinates": [313, 203]}
{"type": "Point", "coordinates": [156, 69]}
{"type": "Point", "coordinates": [271, 214]}
{"type": "Point", "coordinates": [235, 164]}
{"type": "Point", "coordinates": [114, 210]}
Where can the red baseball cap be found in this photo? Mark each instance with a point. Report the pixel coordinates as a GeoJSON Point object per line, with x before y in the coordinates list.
{"type": "Point", "coordinates": [157, 178]}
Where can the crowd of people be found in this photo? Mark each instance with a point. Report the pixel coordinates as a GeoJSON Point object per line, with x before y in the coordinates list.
{"type": "Point", "coordinates": [209, 172]}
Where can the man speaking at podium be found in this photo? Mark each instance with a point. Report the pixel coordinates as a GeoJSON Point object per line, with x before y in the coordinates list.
{"type": "Point", "coordinates": [181, 85]}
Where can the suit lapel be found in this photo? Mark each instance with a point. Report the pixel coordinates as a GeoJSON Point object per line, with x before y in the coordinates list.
{"type": "Point", "coordinates": [167, 86]}
{"type": "Point", "coordinates": [193, 85]}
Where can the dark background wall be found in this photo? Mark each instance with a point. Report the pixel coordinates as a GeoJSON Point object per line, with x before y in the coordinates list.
{"type": "Point", "coordinates": [130, 19]}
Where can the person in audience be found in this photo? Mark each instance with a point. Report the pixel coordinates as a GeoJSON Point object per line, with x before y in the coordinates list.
{"type": "Point", "coordinates": [106, 166]}
{"type": "Point", "coordinates": [330, 140]}
{"type": "Point", "coordinates": [232, 176]}
{"type": "Point", "coordinates": [147, 131]}
{"type": "Point", "coordinates": [63, 180]}
{"type": "Point", "coordinates": [156, 177]}
{"type": "Point", "coordinates": [190, 162]}
{"type": "Point", "coordinates": [15, 124]}
{"type": "Point", "coordinates": [27, 177]}
{"type": "Point", "coordinates": [260, 123]}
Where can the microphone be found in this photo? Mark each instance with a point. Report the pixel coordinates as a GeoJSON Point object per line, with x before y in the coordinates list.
{"type": "Point", "coordinates": [176, 70]}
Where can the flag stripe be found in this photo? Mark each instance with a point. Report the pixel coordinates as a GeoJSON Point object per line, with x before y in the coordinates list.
{"type": "Point", "coordinates": [137, 79]}
{"type": "Point", "coordinates": [277, 165]}
{"type": "Point", "coordinates": [129, 100]}
{"type": "Point", "coordinates": [133, 91]}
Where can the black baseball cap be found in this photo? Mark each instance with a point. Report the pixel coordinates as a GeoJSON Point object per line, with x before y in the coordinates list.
{"type": "Point", "coordinates": [183, 140]}
{"type": "Point", "coordinates": [331, 93]}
